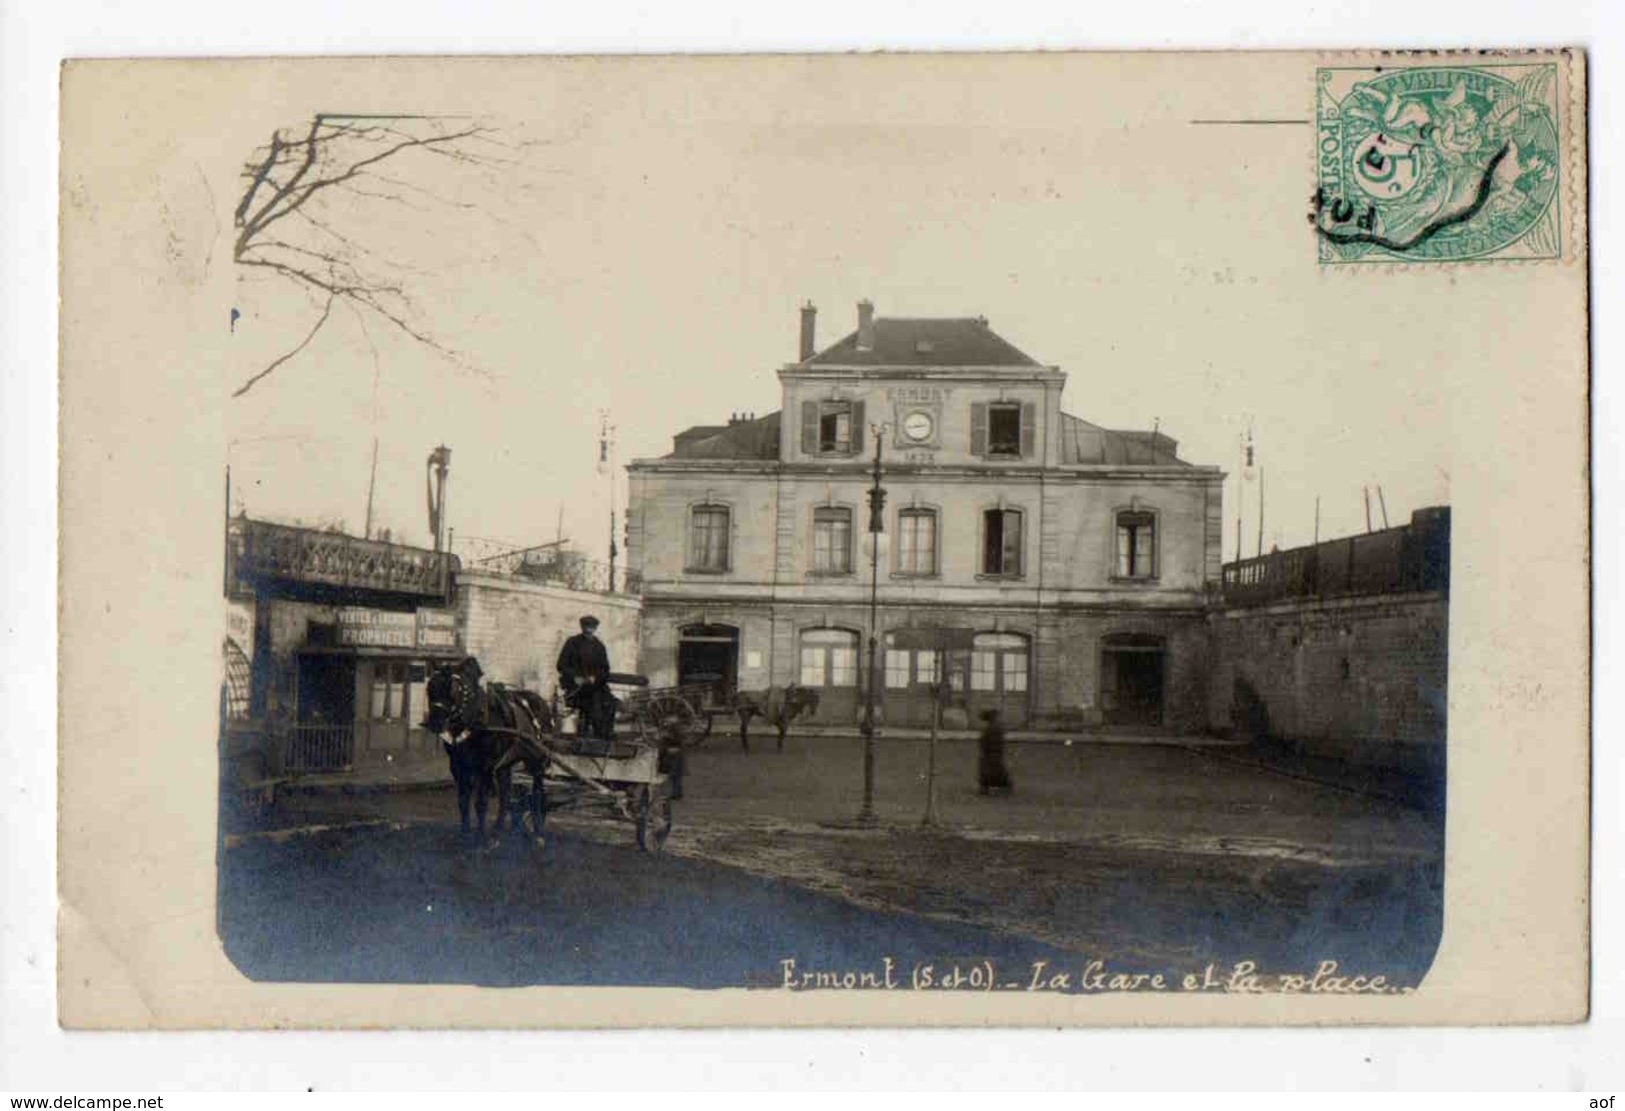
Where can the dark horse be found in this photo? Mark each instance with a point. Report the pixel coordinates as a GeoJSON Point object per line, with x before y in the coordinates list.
{"type": "Point", "coordinates": [779, 706]}
{"type": "Point", "coordinates": [486, 731]}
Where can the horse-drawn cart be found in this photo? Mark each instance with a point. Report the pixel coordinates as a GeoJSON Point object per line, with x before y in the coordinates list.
{"type": "Point", "coordinates": [634, 777]}
{"type": "Point", "coordinates": [624, 782]}
{"type": "Point", "coordinates": [534, 754]}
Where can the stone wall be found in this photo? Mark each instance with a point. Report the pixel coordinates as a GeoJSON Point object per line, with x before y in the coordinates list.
{"type": "Point", "coordinates": [515, 628]}
{"type": "Point", "coordinates": [1362, 679]}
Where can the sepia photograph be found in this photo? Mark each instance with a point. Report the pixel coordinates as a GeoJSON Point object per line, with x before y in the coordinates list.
{"type": "Point", "coordinates": [897, 539]}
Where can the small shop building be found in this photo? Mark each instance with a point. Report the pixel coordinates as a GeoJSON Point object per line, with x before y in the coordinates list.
{"type": "Point", "coordinates": [329, 642]}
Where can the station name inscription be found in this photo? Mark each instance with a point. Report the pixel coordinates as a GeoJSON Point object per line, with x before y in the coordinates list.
{"type": "Point", "coordinates": [1091, 977]}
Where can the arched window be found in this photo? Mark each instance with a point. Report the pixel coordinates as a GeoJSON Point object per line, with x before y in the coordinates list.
{"type": "Point", "coordinates": [829, 658]}
{"type": "Point", "coordinates": [708, 533]}
{"type": "Point", "coordinates": [999, 663]}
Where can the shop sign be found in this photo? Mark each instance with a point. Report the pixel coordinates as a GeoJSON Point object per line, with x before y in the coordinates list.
{"type": "Point", "coordinates": [437, 629]}
{"type": "Point", "coordinates": [359, 627]}
{"type": "Point", "coordinates": [931, 637]}
{"type": "Point", "coordinates": [368, 628]}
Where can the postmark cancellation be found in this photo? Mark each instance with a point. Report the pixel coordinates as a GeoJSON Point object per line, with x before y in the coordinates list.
{"type": "Point", "coordinates": [1442, 161]}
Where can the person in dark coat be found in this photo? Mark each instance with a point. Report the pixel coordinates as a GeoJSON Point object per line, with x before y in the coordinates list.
{"type": "Point", "coordinates": [991, 775]}
{"type": "Point", "coordinates": [584, 677]}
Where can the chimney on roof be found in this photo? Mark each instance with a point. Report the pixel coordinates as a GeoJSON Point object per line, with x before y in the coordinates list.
{"type": "Point", "coordinates": [809, 320]}
{"type": "Point", "coordinates": [866, 325]}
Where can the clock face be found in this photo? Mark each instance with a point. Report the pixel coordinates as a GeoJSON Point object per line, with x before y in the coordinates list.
{"type": "Point", "coordinates": [917, 426]}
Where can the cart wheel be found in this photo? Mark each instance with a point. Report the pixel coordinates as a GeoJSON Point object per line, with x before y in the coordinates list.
{"type": "Point", "coordinates": [654, 817]}
{"type": "Point", "coordinates": [673, 721]}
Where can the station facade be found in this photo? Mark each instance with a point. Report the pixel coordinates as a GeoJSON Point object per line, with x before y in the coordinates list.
{"type": "Point", "coordinates": [1076, 559]}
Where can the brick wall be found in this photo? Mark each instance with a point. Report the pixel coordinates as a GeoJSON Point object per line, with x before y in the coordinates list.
{"type": "Point", "coordinates": [516, 628]}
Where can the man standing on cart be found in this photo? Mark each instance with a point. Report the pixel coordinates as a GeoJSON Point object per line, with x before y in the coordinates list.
{"type": "Point", "coordinates": [584, 678]}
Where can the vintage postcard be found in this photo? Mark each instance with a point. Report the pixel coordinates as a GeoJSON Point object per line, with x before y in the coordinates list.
{"type": "Point", "coordinates": [1067, 539]}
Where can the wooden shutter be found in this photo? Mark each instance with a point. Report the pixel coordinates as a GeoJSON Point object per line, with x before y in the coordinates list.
{"type": "Point", "coordinates": [992, 541]}
{"type": "Point", "coordinates": [1012, 542]}
{"type": "Point", "coordinates": [978, 428]}
{"type": "Point", "coordinates": [857, 428]}
{"type": "Point", "coordinates": [809, 428]}
{"type": "Point", "coordinates": [1029, 428]}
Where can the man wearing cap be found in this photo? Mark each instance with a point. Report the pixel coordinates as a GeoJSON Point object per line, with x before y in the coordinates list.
{"type": "Point", "coordinates": [583, 676]}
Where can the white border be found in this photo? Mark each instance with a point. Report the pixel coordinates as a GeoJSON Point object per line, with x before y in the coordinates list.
{"type": "Point", "coordinates": [35, 1055]}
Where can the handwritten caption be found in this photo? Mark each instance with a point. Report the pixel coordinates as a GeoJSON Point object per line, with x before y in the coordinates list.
{"type": "Point", "coordinates": [1091, 977]}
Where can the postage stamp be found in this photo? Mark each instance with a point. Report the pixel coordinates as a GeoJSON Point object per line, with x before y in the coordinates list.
{"type": "Point", "coordinates": [1438, 163]}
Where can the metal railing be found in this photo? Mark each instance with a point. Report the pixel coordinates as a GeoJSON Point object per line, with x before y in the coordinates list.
{"type": "Point", "coordinates": [261, 551]}
{"type": "Point", "coordinates": [546, 564]}
{"type": "Point", "coordinates": [318, 748]}
{"type": "Point", "coordinates": [1406, 559]}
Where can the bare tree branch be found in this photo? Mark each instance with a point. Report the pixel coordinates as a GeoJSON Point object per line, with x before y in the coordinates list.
{"type": "Point", "coordinates": [333, 157]}
{"type": "Point", "coordinates": [248, 385]}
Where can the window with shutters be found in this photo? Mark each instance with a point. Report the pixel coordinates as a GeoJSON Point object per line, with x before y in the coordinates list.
{"type": "Point", "coordinates": [708, 538]}
{"type": "Point", "coordinates": [1004, 429]}
{"type": "Point", "coordinates": [832, 427]}
{"type": "Point", "coordinates": [917, 542]}
{"type": "Point", "coordinates": [1001, 542]}
{"type": "Point", "coordinates": [1136, 545]}
{"type": "Point", "coordinates": [835, 427]}
{"type": "Point", "coordinates": [832, 541]}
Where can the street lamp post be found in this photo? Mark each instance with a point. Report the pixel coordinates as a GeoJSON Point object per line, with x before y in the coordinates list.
{"type": "Point", "coordinates": [877, 517]}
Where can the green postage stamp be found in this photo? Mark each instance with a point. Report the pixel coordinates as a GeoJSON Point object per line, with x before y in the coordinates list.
{"type": "Point", "coordinates": [1438, 162]}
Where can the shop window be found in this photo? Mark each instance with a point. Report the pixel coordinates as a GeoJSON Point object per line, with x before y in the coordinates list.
{"type": "Point", "coordinates": [388, 696]}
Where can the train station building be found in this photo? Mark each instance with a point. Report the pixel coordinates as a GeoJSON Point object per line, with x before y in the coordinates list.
{"type": "Point", "coordinates": [1073, 562]}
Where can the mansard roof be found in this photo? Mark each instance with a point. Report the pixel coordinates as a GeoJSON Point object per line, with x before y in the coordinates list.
{"type": "Point", "coordinates": [746, 439]}
{"type": "Point", "coordinates": [1083, 443]}
{"type": "Point", "coordinates": [907, 341]}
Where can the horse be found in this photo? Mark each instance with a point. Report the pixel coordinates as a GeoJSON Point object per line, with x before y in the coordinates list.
{"type": "Point", "coordinates": [779, 706]}
{"type": "Point", "coordinates": [486, 732]}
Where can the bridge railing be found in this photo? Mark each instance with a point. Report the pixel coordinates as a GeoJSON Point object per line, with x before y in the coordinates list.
{"type": "Point", "coordinates": [261, 551]}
